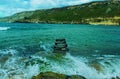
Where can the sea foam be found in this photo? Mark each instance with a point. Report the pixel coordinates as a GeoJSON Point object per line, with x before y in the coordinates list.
{"type": "Point", "coordinates": [18, 67]}
{"type": "Point", "coordinates": [4, 28]}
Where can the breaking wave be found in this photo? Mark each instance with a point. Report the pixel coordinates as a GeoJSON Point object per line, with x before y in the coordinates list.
{"type": "Point", "coordinates": [4, 28]}
{"type": "Point", "coordinates": [15, 66]}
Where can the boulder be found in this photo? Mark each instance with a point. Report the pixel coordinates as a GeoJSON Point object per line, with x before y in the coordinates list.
{"type": "Point", "coordinates": [52, 75]}
{"type": "Point", "coordinates": [115, 77]}
{"type": "Point", "coordinates": [60, 46]}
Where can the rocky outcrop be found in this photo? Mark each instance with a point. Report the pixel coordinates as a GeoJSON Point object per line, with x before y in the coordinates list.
{"type": "Point", "coordinates": [60, 46]}
{"type": "Point", "coordinates": [52, 75]}
{"type": "Point", "coordinates": [115, 78]}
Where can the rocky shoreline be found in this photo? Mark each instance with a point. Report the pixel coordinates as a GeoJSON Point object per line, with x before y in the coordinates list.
{"type": "Point", "coordinates": [75, 22]}
{"type": "Point", "coordinates": [92, 21]}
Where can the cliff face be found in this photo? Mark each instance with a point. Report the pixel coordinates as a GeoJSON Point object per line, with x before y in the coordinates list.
{"type": "Point", "coordinates": [100, 12]}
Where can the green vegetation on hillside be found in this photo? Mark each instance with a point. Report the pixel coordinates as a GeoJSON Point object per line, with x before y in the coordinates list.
{"type": "Point", "coordinates": [99, 12]}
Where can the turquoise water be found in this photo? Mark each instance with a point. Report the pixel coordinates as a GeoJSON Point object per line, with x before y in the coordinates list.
{"type": "Point", "coordinates": [88, 44]}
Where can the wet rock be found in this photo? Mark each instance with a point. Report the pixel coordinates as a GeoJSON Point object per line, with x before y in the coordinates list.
{"type": "Point", "coordinates": [96, 65]}
{"type": "Point", "coordinates": [60, 46]}
{"type": "Point", "coordinates": [49, 75]}
{"type": "Point", "coordinates": [76, 77]}
{"type": "Point", "coordinates": [3, 59]}
{"type": "Point", "coordinates": [52, 75]}
{"type": "Point", "coordinates": [115, 77]}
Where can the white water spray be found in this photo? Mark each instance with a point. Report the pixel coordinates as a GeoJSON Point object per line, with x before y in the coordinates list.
{"type": "Point", "coordinates": [4, 28]}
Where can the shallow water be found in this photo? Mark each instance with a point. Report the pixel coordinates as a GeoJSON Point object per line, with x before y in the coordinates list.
{"type": "Point", "coordinates": [26, 50]}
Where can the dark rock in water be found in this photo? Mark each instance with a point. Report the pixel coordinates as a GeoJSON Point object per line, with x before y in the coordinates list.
{"type": "Point", "coordinates": [77, 77]}
{"type": "Point", "coordinates": [96, 65]}
{"type": "Point", "coordinates": [60, 46]}
{"type": "Point", "coordinates": [52, 75]}
{"type": "Point", "coordinates": [115, 77]}
{"type": "Point", "coordinates": [3, 59]}
{"type": "Point", "coordinates": [60, 39]}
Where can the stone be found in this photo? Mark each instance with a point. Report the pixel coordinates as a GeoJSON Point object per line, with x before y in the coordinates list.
{"type": "Point", "coordinates": [60, 46]}
{"type": "Point", "coordinates": [52, 75]}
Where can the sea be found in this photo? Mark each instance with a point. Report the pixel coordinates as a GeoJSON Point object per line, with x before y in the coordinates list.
{"type": "Point", "coordinates": [26, 49]}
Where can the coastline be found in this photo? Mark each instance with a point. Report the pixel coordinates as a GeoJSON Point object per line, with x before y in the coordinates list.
{"type": "Point", "coordinates": [113, 21]}
{"type": "Point", "coordinates": [90, 23]}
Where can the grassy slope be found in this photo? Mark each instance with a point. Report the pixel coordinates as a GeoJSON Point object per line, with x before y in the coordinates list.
{"type": "Point", "coordinates": [102, 12]}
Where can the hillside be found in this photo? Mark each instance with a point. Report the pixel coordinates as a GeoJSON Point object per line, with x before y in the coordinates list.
{"type": "Point", "coordinates": [99, 12]}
